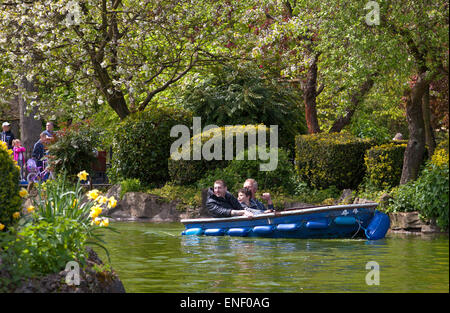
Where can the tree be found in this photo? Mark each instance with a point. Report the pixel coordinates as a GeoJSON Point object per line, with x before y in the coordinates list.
{"type": "Point", "coordinates": [120, 52]}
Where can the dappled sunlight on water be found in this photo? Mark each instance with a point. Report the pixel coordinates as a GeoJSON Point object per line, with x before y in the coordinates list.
{"type": "Point", "coordinates": [152, 257]}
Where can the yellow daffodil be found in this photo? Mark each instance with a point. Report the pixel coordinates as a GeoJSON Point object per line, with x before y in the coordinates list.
{"type": "Point", "coordinates": [83, 175]}
{"type": "Point", "coordinates": [23, 192]}
{"type": "Point", "coordinates": [31, 209]}
{"type": "Point", "coordinates": [104, 222]}
{"type": "Point", "coordinates": [95, 211]}
{"type": "Point", "coordinates": [97, 220]}
{"type": "Point", "coordinates": [74, 203]}
{"type": "Point", "coordinates": [93, 194]}
{"type": "Point", "coordinates": [2, 226]}
{"type": "Point", "coordinates": [112, 202]}
{"type": "Point", "coordinates": [16, 215]}
{"type": "Point", "coordinates": [101, 200]}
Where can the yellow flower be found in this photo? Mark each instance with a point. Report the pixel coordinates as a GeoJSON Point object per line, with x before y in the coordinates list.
{"type": "Point", "coordinates": [16, 215]}
{"type": "Point", "coordinates": [30, 209]}
{"type": "Point", "coordinates": [101, 199]}
{"type": "Point", "coordinates": [97, 220]}
{"type": "Point", "coordinates": [2, 226]}
{"type": "Point", "coordinates": [23, 192]}
{"type": "Point", "coordinates": [112, 202]}
{"type": "Point", "coordinates": [95, 211]}
{"type": "Point", "coordinates": [83, 175]}
{"type": "Point", "coordinates": [104, 222]}
{"type": "Point", "coordinates": [93, 194]}
{"type": "Point", "coordinates": [74, 203]}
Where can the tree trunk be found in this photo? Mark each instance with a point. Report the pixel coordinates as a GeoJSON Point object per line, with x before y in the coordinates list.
{"type": "Point", "coordinates": [30, 128]}
{"type": "Point", "coordinates": [309, 97]}
{"type": "Point", "coordinates": [429, 135]}
{"type": "Point", "coordinates": [356, 99]}
{"type": "Point", "coordinates": [118, 104]}
{"type": "Point", "coordinates": [415, 149]}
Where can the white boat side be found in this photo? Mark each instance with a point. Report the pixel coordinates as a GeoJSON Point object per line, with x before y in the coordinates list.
{"type": "Point", "coordinates": [282, 213]}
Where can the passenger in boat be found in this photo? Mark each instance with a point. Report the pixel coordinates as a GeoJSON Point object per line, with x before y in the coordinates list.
{"type": "Point", "coordinates": [221, 203]}
{"type": "Point", "coordinates": [244, 196]}
{"type": "Point", "coordinates": [251, 184]}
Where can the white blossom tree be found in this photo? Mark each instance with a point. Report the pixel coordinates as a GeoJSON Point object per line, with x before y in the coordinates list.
{"type": "Point", "coordinates": [82, 53]}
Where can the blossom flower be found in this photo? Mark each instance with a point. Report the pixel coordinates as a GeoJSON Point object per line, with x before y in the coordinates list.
{"type": "Point", "coordinates": [31, 209]}
{"type": "Point", "coordinates": [74, 203]}
{"type": "Point", "coordinates": [16, 215]}
{"type": "Point", "coordinates": [112, 202]}
{"type": "Point", "coordinates": [83, 175]}
{"type": "Point", "coordinates": [101, 200]}
{"type": "Point", "coordinates": [95, 211]}
{"type": "Point", "coordinates": [93, 194]}
{"type": "Point", "coordinates": [97, 220]}
{"type": "Point", "coordinates": [104, 222]}
{"type": "Point", "coordinates": [23, 193]}
{"type": "Point", "coordinates": [2, 226]}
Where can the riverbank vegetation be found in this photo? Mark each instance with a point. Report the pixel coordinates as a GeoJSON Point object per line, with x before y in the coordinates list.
{"type": "Point", "coordinates": [339, 79]}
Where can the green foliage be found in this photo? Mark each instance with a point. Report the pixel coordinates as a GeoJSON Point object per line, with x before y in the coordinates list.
{"type": "Point", "coordinates": [429, 194]}
{"type": "Point", "coordinates": [336, 159]}
{"type": "Point", "coordinates": [384, 164]}
{"type": "Point", "coordinates": [9, 187]}
{"type": "Point", "coordinates": [142, 145]}
{"type": "Point", "coordinates": [73, 150]}
{"type": "Point", "coordinates": [50, 245]}
{"type": "Point", "coordinates": [242, 94]}
{"type": "Point", "coordinates": [368, 128]}
{"type": "Point", "coordinates": [280, 177]}
{"type": "Point", "coordinates": [187, 171]}
{"type": "Point", "coordinates": [130, 185]}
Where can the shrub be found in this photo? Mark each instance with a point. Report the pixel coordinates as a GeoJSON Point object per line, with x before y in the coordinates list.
{"type": "Point", "coordinates": [130, 185]}
{"type": "Point", "coordinates": [280, 177]}
{"type": "Point", "coordinates": [142, 146]}
{"type": "Point", "coordinates": [232, 95]}
{"type": "Point", "coordinates": [384, 165]}
{"type": "Point", "coordinates": [335, 159]}
{"type": "Point", "coordinates": [9, 186]}
{"type": "Point", "coordinates": [74, 149]}
{"type": "Point", "coordinates": [429, 194]}
{"type": "Point", "coordinates": [187, 171]}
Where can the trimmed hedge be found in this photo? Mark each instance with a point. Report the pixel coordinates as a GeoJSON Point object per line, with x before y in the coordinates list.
{"type": "Point", "coordinates": [384, 164]}
{"type": "Point", "coordinates": [239, 170]}
{"type": "Point", "coordinates": [336, 159]}
{"type": "Point", "coordinates": [9, 186]}
{"type": "Point", "coordinates": [142, 145]}
{"type": "Point", "coordinates": [188, 171]}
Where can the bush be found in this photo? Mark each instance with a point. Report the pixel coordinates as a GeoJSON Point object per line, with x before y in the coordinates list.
{"type": "Point", "coordinates": [233, 95]}
{"type": "Point", "coordinates": [335, 159]}
{"type": "Point", "coordinates": [429, 194]}
{"type": "Point", "coordinates": [187, 171]}
{"type": "Point", "coordinates": [142, 146]}
{"type": "Point", "coordinates": [384, 165]}
{"type": "Point", "coordinates": [74, 149]}
{"type": "Point", "coordinates": [130, 185]}
{"type": "Point", "coordinates": [9, 186]}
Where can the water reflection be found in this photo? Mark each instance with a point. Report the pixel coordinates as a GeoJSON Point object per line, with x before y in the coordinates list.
{"type": "Point", "coordinates": [156, 258]}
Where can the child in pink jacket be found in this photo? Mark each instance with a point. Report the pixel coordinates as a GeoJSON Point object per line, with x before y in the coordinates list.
{"type": "Point", "coordinates": [19, 155]}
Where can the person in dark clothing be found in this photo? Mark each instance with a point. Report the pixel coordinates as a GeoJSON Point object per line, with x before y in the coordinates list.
{"type": "Point", "coordinates": [39, 150]}
{"type": "Point", "coordinates": [221, 203]}
{"type": "Point", "coordinates": [7, 135]}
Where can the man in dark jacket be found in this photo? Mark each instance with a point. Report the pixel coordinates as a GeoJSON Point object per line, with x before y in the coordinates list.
{"type": "Point", "coordinates": [221, 203]}
{"type": "Point", "coordinates": [6, 135]}
{"type": "Point", "coordinates": [39, 149]}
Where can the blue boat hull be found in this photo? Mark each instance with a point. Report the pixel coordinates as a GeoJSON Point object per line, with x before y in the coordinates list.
{"type": "Point", "coordinates": [342, 221]}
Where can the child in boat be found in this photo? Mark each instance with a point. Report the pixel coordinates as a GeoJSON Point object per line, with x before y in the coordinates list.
{"type": "Point", "coordinates": [244, 195]}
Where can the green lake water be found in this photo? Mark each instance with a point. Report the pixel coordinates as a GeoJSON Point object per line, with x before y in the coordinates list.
{"type": "Point", "coordinates": [153, 257]}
